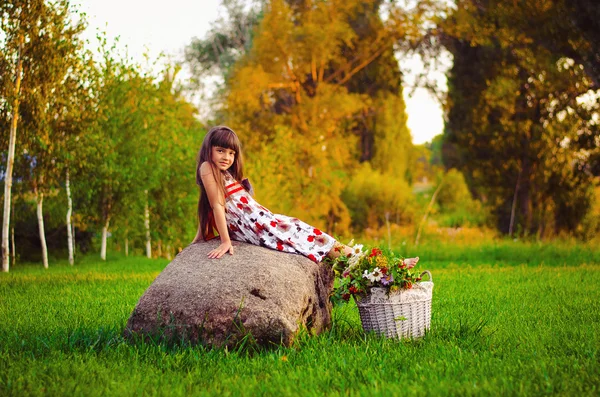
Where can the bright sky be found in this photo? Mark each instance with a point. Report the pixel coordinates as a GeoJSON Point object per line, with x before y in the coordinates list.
{"type": "Point", "coordinates": [155, 26]}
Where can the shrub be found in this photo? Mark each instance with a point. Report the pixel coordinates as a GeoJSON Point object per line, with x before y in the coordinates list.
{"type": "Point", "coordinates": [457, 206]}
{"type": "Point", "coordinates": [590, 225]}
{"type": "Point", "coordinates": [455, 193]}
{"type": "Point", "coordinates": [371, 194]}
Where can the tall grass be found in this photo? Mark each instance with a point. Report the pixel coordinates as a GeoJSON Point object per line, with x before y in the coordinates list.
{"type": "Point", "coordinates": [508, 319]}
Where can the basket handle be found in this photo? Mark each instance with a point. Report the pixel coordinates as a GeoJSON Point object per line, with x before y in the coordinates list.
{"type": "Point", "coordinates": [427, 272]}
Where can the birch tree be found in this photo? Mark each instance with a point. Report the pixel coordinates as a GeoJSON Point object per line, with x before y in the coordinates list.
{"type": "Point", "coordinates": [41, 41]}
{"type": "Point", "coordinates": [74, 116]}
{"type": "Point", "coordinates": [119, 154]}
{"type": "Point", "coordinates": [51, 61]}
{"type": "Point", "coordinates": [179, 135]}
{"type": "Point", "coordinates": [15, 18]}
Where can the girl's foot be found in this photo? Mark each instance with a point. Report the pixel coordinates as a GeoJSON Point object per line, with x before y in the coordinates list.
{"type": "Point", "coordinates": [338, 250]}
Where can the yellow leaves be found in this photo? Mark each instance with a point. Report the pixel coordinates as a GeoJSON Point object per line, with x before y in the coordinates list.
{"type": "Point", "coordinates": [298, 122]}
{"type": "Point", "coordinates": [394, 152]}
{"type": "Point", "coordinates": [249, 89]}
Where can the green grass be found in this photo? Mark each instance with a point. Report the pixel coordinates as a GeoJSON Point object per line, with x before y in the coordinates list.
{"type": "Point", "coordinates": [508, 319]}
{"type": "Point", "coordinates": [505, 253]}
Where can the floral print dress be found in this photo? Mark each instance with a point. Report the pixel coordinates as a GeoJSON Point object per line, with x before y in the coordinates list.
{"type": "Point", "coordinates": [250, 222]}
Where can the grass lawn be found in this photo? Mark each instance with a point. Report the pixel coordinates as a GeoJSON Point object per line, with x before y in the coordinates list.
{"type": "Point", "coordinates": [508, 318]}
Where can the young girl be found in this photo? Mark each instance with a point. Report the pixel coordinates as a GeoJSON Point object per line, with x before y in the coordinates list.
{"type": "Point", "coordinates": [226, 204]}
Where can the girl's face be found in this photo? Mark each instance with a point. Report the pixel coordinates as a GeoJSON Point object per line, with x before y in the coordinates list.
{"type": "Point", "coordinates": [222, 158]}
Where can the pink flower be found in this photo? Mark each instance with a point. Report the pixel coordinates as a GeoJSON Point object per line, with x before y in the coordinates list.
{"type": "Point", "coordinates": [410, 262]}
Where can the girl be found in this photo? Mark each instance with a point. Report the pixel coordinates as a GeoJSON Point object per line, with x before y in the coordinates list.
{"type": "Point", "coordinates": [227, 205]}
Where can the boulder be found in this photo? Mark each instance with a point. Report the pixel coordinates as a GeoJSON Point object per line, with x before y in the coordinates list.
{"type": "Point", "coordinates": [260, 292]}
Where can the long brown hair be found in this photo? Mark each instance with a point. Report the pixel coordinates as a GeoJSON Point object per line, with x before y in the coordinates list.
{"type": "Point", "coordinates": [224, 137]}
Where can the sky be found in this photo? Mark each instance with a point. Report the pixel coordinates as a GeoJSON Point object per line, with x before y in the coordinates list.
{"type": "Point", "coordinates": [159, 26]}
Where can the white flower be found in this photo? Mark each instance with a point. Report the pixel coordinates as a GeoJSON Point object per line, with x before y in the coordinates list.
{"type": "Point", "coordinates": [357, 249]}
{"type": "Point", "coordinates": [353, 261]}
{"type": "Point", "coordinates": [356, 256]}
{"type": "Point", "coordinates": [374, 276]}
{"type": "Point", "coordinates": [377, 274]}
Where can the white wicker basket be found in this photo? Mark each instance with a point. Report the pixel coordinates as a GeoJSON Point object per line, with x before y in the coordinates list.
{"type": "Point", "coordinates": [401, 314]}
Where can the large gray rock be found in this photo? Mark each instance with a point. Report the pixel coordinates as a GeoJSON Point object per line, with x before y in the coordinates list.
{"type": "Point", "coordinates": [258, 291]}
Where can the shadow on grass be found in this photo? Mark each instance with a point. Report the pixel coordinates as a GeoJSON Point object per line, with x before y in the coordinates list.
{"type": "Point", "coordinates": [345, 330]}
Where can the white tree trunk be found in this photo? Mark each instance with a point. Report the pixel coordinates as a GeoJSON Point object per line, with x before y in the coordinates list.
{"type": "Point", "coordinates": [10, 160]}
{"type": "Point", "coordinates": [69, 229]}
{"type": "Point", "coordinates": [73, 237]}
{"type": "Point", "coordinates": [104, 237]}
{"type": "Point", "coordinates": [39, 198]}
{"type": "Point", "coordinates": [13, 250]}
{"type": "Point", "coordinates": [514, 205]}
{"type": "Point", "coordinates": [147, 226]}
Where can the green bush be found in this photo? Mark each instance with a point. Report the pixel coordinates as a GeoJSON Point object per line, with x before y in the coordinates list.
{"type": "Point", "coordinates": [371, 194]}
{"type": "Point", "coordinates": [476, 215]}
{"type": "Point", "coordinates": [455, 193]}
{"type": "Point", "coordinates": [590, 225]}
{"type": "Point", "coordinates": [457, 207]}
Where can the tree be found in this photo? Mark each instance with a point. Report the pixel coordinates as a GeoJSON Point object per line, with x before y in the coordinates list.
{"type": "Point", "coordinates": [43, 41]}
{"type": "Point", "coordinates": [516, 124]}
{"type": "Point", "coordinates": [55, 60]}
{"type": "Point", "coordinates": [226, 42]}
{"type": "Point", "coordinates": [140, 144]}
{"type": "Point", "coordinates": [16, 18]}
{"type": "Point", "coordinates": [11, 153]}
{"type": "Point", "coordinates": [178, 133]}
{"type": "Point", "coordinates": [118, 141]}
{"type": "Point", "coordinates": [310, 109]}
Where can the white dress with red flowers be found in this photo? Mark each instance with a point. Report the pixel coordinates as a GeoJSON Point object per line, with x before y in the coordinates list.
{"type": "Point", "coordinates": [252, 223]}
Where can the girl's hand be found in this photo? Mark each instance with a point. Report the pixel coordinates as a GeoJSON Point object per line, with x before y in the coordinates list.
{"type": "Point", "coordinates": [221, 250]}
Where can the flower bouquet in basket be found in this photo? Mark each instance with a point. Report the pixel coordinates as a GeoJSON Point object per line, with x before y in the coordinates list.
{"type": "Point", "coordinates": [391, 297]}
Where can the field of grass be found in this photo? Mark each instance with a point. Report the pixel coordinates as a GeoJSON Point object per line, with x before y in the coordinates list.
{"type": "Point", "coordinates": [509, 318]}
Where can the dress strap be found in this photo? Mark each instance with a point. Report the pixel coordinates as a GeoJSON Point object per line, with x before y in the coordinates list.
{"type": "Point", "coordinates": [232, 188]}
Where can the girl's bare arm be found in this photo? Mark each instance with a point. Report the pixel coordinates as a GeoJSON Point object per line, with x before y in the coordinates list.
{"type": "Point", "coordinates": [217, 203]}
